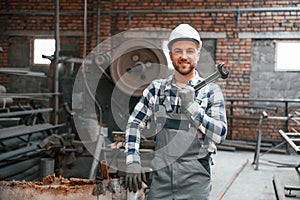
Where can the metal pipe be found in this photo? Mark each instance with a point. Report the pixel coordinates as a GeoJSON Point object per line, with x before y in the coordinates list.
{"type": "Point", "coordinates": [279, 100]}
{"type": "Point", "coordinates": [286, 108]}
{"type": "Point", "coordinates": [46, 167]}
{"type": "Point", "coordinates": [97, 154]}
{"type": "Point", "coordinates": [178, 11]}
{"type": "Point", "coordinates": [18, 152]}
{"type": "Point", "coordinates": [25, 112]}
{"type": "Point", "coordinates": [296, 120]}
{"type": "Point", "coordinates": [56, 70]}
{"type": "Point", "coordinates": [258, 143]}
{"type": "Point", "coordinates": [84, 29]}
{"type": "Point", "coordinates": [290, 141]}
{"type": "Point", "coordinates": [26, 174]}
{"type": "Point", "coordinates": [231, 119]}
{"type": "Point", "coordinates": [17, 168]}
{"type": "Point", "coordinates": [98, 24]}
{"type": "Point", "coordinates": [27, 95]}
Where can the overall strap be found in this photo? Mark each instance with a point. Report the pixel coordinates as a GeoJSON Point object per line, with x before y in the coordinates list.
{"type": "Point", "coordinates": [176, 124]}
{"type": "Point", "coordinates": [163, 100]}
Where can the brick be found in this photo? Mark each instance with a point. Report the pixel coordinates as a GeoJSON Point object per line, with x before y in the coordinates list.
{"type": "Point", "coordinates": [236, 52]}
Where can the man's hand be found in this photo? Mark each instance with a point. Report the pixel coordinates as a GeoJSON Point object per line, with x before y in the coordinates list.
{"type": "Point", "coordinates": [186, 95]}
{"type": "Point", "coordinates": [134, 177]}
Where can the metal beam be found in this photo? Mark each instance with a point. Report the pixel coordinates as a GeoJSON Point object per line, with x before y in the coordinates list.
{"type": "Point", "coordinates": [25, 112]}
{"type": "Point", "coordinates": [20, 130]}
{"type": "Point", "coordinates": [56, 64]}
{"type": "Point", "coordinates": [290, 141]}
{"type": "Point", "coordinates": [165, 34]}
{"type": "Point", "coordinates": [18, 152]}
{"type": "Point", "coordinates": [159, 11]}
{"type": "Point", "coordinates": [42, 33]}
{"type": "Point", "coordinates": [19, 167]}
{"type": "Point", "coordinates": [271, 35]}
{"type": "Point", "coordinates": [279, 100]}
{"type": "Point", "coordinates": [28, 95]}
{"type": "Point", "coordinates": [278, 188]}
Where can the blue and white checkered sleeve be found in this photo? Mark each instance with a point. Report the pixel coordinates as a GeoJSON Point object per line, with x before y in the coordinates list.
{"type": "Point", "coordinates": [136, 123]}
{"type": "Point", "coordinates": [209, 114]}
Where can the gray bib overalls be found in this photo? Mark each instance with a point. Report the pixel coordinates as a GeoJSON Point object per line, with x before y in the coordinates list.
{"type": "Point", "coordinates": [181, 165]}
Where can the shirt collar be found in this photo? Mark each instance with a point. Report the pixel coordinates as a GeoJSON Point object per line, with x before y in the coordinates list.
{"type": "Point", "coordinates": [196, 79]}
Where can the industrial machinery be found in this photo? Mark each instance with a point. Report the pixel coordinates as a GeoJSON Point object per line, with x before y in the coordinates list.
{"type": "Point", "coordinates": [107, 86]}
{"type": "Point", "coordinates": [110, 82]}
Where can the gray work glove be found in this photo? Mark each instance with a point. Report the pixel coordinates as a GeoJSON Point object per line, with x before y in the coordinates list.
{"type": "Point", "coordinates": [186, 95]}
{"type": "Point", "coordinates": [134, 177]}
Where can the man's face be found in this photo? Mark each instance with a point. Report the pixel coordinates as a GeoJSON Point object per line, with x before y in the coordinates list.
{"type": "Point", "coordinates": [185, 56]}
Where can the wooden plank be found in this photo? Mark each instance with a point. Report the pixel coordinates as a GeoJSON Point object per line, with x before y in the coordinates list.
{"type": "Point", "coordinates": [6, 133]}
{"type": "Point", "coordinates": [222, 193]}
{"type": "Point", "coordinates": [25, 112]}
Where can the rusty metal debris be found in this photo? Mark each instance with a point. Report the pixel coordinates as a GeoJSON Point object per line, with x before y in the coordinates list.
{"type": "Point", "coordinates": [60, 188]}
{"type": "Point", "coordinates": [50, 186]}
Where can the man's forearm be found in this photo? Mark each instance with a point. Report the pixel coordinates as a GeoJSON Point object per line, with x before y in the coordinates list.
{"type": "Point", "coordinates": [214, 126]}
{"type": "Point", "coordinates": [132, 145]}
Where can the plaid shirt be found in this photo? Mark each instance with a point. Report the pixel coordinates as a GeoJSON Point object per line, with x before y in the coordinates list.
{"type": "Point", "coordinates": [207, 112]}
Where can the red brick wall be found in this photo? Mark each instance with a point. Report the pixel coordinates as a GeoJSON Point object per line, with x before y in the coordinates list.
{"type": "Point", "coordinates": [234, 51]}
{"type": "Point", "coordinates": [237, 56]}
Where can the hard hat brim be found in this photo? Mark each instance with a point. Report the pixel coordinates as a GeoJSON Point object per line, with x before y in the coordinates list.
{"type": "Point", "coordinates": [170, 44]}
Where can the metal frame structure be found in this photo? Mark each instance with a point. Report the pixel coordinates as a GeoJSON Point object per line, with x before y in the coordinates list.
{"type": "Point", "coordinates": [263, 116]}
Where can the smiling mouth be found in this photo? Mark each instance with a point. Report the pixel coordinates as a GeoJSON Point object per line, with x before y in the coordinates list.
{"type": "Point", "coordinates": [183, 62]}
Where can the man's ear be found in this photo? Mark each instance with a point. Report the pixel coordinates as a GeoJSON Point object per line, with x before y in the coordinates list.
{"type": "Point", "coordinates": [199, 53]}
{"type": "Point", "coordinates": [200, 45]}
{"type": "Point", "coordinates": [170, 53]}
{"type": "Point", "coordinates": [199, 49]}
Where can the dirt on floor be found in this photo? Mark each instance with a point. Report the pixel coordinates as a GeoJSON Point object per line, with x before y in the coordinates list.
{"type": "Point", "coordinates": [54, 188]}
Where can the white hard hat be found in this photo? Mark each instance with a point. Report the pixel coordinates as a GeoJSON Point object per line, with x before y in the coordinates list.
{"type": "Point", "coordinates": [184, 32]}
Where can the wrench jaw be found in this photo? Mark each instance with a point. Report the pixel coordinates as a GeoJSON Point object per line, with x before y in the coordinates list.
{"type": "Point", "coordinates": [221, 72]}
{"type": "Point", "coordinates": [224, 73]}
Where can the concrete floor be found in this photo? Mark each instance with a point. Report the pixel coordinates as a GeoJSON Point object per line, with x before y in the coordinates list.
{"type": "Point", "coordinates": [251, 184]}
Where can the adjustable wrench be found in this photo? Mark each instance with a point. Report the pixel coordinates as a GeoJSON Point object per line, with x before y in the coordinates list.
{"type": "Point", "coordinates": [221, 72]}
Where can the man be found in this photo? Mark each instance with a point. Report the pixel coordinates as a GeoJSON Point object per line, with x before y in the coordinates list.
{"type": "Point", "coordinates": [188, 122]}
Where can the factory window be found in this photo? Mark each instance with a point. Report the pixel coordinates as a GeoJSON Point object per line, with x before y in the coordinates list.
{"type": "Point", "coordinates": [287, 56]}
{"type": "Point", "coordinates": [43, 47]}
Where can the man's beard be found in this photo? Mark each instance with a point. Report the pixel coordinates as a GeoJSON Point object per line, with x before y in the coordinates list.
{"type": "Point", "coordinates": [185, 72]}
